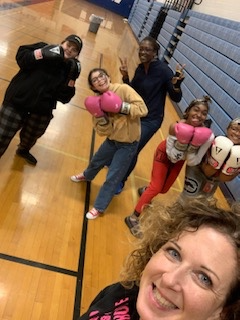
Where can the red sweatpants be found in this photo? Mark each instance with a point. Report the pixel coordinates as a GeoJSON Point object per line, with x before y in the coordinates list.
{"type": "Point", "coordinates": [164, 173]}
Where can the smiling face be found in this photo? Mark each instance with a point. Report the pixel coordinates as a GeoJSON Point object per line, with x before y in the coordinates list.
{"type": "Point", "coordinates": [197, 115]}
{"type": "Point", "coordinates": [70, 49]}
{"type": "Point", "coordinates": [188, 278]}
{"type": "Point", "coordinates": [233, 133]}
{"type": "Point", "coordinates": [99, 81]}
{"type": "Point", "coordinates": [146, 51]}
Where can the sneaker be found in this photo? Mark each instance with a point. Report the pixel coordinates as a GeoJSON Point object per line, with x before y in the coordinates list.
{"type": "Point", "coordinates": [92, 214]}
{"type": "Point", "coordinates": [133, 225]}
{"type": "Point", "coordinates": [27, 156]}
{"type": "Point", "coordinates": [78, 177]}
{"type": "Point", "coordinates": [141, 190]}
{"type": "Point", "coordinates": [119, 188]}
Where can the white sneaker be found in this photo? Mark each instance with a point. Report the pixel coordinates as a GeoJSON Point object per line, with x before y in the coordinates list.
{"type": "Point", "coordinates": [78, 177]}
{"type": "Point", "coordinates": [92, 214]}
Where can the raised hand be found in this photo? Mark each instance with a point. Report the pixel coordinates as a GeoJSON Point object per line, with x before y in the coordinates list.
{"type": "Point", "coordinates": [123, 67]}
{"type": "Point", "coordinates": [178, 77]}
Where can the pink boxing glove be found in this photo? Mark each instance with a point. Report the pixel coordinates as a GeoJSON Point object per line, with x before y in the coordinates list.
{"type": "Point", "coordinates": [184, 133]}
{"type": "Point", "coordinates": [200, 136]}
{"type": "Point", "coordinates": [111, 102]}
{"type": "Point", "coordinates": [92, 104]}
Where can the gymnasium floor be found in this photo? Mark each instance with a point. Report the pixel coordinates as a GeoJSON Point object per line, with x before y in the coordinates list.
{"type": "Point", "coordinates": [52, 261]}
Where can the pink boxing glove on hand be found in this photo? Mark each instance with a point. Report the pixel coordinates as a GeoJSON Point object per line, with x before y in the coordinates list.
{"type": "Point", "coordinates": [184, 133]}
{"type": "Point", "coordinates": [92, 104]}
{"type": "Point", "coordinates": [111, 102]}
{"type": "Point", "coordinates": [200, 136]}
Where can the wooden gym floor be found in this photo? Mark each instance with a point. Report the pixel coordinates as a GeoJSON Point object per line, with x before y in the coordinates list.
{"type": "Point", "coordinates": [52, 261]}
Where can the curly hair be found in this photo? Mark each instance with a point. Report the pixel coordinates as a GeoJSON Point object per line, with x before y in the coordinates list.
{"type": "Point", "coordinates": [159, 224]}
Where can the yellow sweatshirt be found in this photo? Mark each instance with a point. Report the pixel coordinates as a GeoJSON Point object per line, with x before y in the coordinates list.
{"type": "Point", "coordinates": [122, 127]}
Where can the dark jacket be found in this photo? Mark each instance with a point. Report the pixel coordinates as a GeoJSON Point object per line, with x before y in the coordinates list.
{"type": "Point", "coordinates": [153, 87]}
{"type": "Point", "coordinates": [39, 84]}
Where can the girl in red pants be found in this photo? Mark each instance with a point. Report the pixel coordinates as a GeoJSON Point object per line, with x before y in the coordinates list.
{"type": "Point", "coordinates": [188, 140]}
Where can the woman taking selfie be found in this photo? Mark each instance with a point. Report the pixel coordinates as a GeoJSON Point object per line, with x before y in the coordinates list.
{"type": "Point", "coordinates": [186, 267]}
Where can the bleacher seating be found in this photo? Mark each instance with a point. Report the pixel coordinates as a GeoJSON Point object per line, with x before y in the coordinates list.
{"type": "Point", "coordinates": [150, 19]}
{"type": "Point", "coordinates": [138, 16]}
{"type": "Point", "coordinates": [231, 24]}
{"type": "Point", "coordinates": [212, 57]}
{"type": "Point", "coordinates": [168, 30]}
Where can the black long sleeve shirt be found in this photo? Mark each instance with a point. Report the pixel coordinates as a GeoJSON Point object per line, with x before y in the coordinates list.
{"type": "Point", "coordinates": [153, 87]}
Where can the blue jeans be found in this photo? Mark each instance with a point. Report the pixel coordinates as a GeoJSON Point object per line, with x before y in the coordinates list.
{"type": "Point", "coordinates": [148, 129]}
{"type": "Point", "coordinates": [119, 154]}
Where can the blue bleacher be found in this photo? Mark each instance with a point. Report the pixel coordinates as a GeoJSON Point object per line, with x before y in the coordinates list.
{"type": "Point", "coordinates": [218, 21]}
{"type": "Point", "coordinates": [209, 46]}
{"type": "Point", "coordinates": [142, 17]}
{"type": "Point", "coordinates": [167, 31]}
{"type": "Point", "coordinates": [150, 19]}
{"type": "Point", "coordinates": [138, 16]}
{"type": "Point", "coordinates": [212, 57]}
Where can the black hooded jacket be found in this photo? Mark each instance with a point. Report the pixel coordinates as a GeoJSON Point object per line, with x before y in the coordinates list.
{"type": "Point", "coordinates": [39, 84]}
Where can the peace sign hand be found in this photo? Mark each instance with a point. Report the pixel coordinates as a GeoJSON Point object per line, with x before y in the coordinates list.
{"type": "Point", "coordinates": [123, 67]}
{"type": "Point", "coordinates": [179, 71]}
{"type": "Point", "coordinates": [178, 77]}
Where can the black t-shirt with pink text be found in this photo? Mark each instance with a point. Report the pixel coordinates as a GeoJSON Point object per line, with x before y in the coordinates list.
{"type": "Point", "coordinates": [113, 303]}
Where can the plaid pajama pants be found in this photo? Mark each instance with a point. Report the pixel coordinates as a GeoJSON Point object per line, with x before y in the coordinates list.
{"type": "Point", "coordinates": [31, 126]}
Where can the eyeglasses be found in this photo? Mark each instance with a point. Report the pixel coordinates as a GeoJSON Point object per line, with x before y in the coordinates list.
{"type": "Point", "coordinates": [101, 76]}
{"type": "Point", "coordinates": [147, 50]}
{"type": "Point", "coordinates": [235, 129]}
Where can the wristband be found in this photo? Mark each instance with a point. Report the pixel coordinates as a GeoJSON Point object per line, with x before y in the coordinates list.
{"type": "Point", "coordinates": [125, 109]}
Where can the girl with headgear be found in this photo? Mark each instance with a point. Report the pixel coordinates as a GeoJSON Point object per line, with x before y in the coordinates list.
{"type": "Point", "coordinates": [221, 163]}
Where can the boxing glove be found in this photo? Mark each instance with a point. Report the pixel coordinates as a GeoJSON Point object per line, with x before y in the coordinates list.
{"type": "Point", "coordinates": [200, 136]}
{"type": "Point", "coordinates": [219, 151]}
{"type": "Point", "coordinates": [184, 133]}
{"type": "Point", "coordinates": [74, 71]}
{"type": "Point", "coordinates": [50, 52]}
{"type": "Point", "coordinates": [232, 164]}
{"type": "Point", "coordinates": [92, 104]}
{"type": "Point", "coordinates": [111, 102]}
